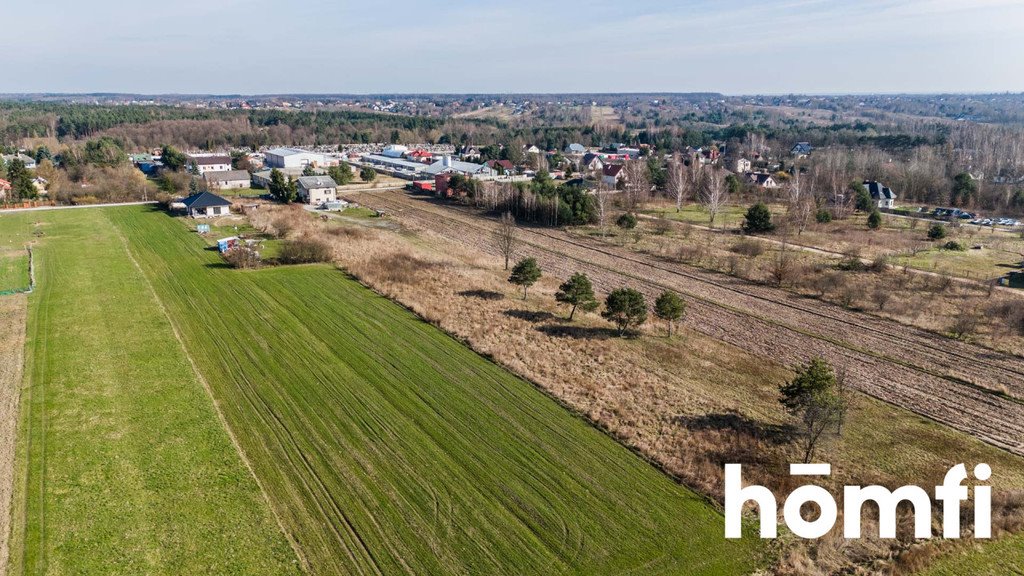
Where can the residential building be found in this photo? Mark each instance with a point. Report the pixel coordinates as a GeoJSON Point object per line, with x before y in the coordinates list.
{"type": "Point", "coordinates": [501, 166]}
{"type": "Point", "coordinates": [261, 179]}
{"type": "Point", "coordinates": [28, 161]}
{"type": "Point", "coordinates": [204, 164]}
{"type": "Point", "coordinates": [292, 158]}
{"type": "Point", "coordinates": [762, 179]}
{"type": "Point", "coordinates": [881, 194]}
{"type": "Point", "coordinates": [533, 149]}
{"type": "Point", "coordinates": [229, 179]}
{"type": "Point", "coordinates": [743, 166]}
{"type": "Point", "coordinates": [317, 190]}
{"type": "Point", "coordinates": [612, 174]}
{"type": "Point", "coordinates": [575, 149]}
{"type": "Point", "coordinates": [801, 150]}
{"type": "Point", "coordinates": [205, 205]}
{"type": "Point", "coordinates": [591, 163]}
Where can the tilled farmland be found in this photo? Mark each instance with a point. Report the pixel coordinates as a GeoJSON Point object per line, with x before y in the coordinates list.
{"type": "Point", "coordinates": [949, 381]}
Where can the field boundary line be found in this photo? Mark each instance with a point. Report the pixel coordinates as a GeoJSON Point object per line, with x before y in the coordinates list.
{"type": "Point", "coordinates": [303, 562]}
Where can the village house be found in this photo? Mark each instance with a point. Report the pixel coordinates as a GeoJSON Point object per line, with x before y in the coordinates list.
{"type": "Point", "coordinates": [880, 194]}
{"type": "Point", "coordinates": [743, 166]}
{"type": "Point", "coordinates": [229, 179]}
{"type": "Point", "coordinates": [206, 205]}
{"type": "Point", "coordinates": [575, 149]}
{"type": "Point", "coordinates": [591, 163]}
{"type": "Point", "coordinates": [203, 164]}
{"type": "Point", "coordinates": [762, 180]}
{"type": "Point", "coordinates": [612, 174]}
{"type": "Point", "coordinates": [28, 161]}
{"type": "Point", "coordinates": [501, 166]}
{"type": "Point", "coordinates": [317, 190]}
{"type": "Point", "coordinates": [532, 149]}
{"type": "Point", "coordinates": [801, 150]}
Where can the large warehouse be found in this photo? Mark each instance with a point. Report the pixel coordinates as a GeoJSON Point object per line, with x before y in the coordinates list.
{"type": "Point", "coordinates": [292, 158]}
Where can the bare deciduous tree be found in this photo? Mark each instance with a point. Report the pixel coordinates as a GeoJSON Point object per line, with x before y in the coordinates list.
{"type": "Point", "coordinates": [638, 185]}
{"type": "Point", "coordinates": [678, 180]}
{"type": "Point", "coordinates": [713, 194]}
{"type": "Point", "coordinates": [506, 237]}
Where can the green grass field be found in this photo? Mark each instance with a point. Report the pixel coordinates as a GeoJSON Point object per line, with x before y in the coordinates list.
{"type": "Point", "coordinates": [125, 467]}
{"type": "Point", "coordinates": [13, 271]}
{"type": "Point", "coordinates": [388, 447]}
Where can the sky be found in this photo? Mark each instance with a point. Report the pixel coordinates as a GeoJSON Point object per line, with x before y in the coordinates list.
{"type": "Point", "coordinates": [525, 46]}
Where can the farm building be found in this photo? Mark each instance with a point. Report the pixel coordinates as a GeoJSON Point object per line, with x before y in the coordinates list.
{"type": "Point", "coordinates": [204, 164]}
{"type": "Point", "coordinates": [317, 190]}
{"type": "Point", "coordinates": [391, 163]}
{"type": "Point", "coordinates": [228, 180]}
{"type": "Point", "coordinates": [205, 205]}
{"type": "Point", "coordinates": [292, 158]}
{"type": "Point", "coordinates": [448, 166]}
{"type": "Point", "coordinates": [881, 194]}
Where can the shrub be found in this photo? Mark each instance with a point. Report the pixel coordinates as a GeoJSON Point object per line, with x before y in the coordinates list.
{"type": "Point", "coordinates": [305, 250]}
{"type": "Point", "coordinates": [758, 219]}
{"type": "Point", "coordinates": [242, 257]}
{"type": "Point", "coordinates": [936, 232]}
{"type": "Point", "coordinates": [748, 247]}
{"type": "Point", "coordinates": [823, 216]}
{"type": "Point", "coordinates": [875, 219]}
{"type": "Point", "coordinates": [954, 246]}
{"type": "Point", "coordinates": [627, 221]}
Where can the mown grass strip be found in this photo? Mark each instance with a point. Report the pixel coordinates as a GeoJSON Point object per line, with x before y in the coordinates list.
{"type": "Point", "coordinates": [388, 447]}
{"type": "Point", "coordinates": [126, 467]}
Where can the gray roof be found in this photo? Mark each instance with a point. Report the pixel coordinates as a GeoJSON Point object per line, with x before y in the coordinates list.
{"type": "Point", "coordinates": [26, 159]}
{"type": "Point", "coordinates": [397, 162]}
{"type": "Point", "coordinates": [574, 147]}
{"type": "Point", "coordinates": [210, 160]}
{"type": "Point", "coordinates": [201, 200]}
{"type": "Point", "coordinates": [288, 151]}
{"type": "Point", "coordinates": [456, 165]}
{"type": "Point", "coordinates": [311, 182]}
{"type": "Point", "coordinates": [878, 191]}
{"type": "Point", "coordinates": [227, 175]}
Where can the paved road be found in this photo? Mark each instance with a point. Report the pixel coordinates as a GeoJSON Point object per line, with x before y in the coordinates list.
{"type": "Point", "coordinates": [41, 208]}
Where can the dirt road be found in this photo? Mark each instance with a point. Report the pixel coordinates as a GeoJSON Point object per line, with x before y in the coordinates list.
{"type": "Point", "coordinates": [949, 381]}
{"type": "Point", "coordinates": [12, 346]}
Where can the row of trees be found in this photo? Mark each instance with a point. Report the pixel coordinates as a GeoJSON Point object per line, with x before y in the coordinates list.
{"type": "Point", "coordinates": [624, 307]}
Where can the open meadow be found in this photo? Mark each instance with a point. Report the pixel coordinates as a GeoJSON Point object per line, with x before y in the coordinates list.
{"type": "Point", "coordinates": [123, 466]}
{"type": "Point", "coordinates": [385, 446]}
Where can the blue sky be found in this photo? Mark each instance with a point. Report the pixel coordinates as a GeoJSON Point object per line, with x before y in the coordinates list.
{"type": "Point", "coordinates": [736, 47]}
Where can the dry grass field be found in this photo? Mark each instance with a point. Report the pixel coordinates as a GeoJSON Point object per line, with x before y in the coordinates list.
{"type": "Point", "coordinates": [691, 403]}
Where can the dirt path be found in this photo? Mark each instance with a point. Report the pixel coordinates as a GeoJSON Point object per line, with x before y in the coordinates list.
{"type": "Point", "coordinates": [946, 380]}
{"type": "Point", "coordinates": [13, 311]}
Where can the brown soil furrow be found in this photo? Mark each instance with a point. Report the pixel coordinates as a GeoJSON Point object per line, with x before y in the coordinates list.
{"type": "Point", "coordinates": [912, 368]}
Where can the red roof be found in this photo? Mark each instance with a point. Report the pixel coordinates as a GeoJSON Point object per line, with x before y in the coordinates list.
{"type": "Point", "coordinates": [612, 169]}
{"type": "Point", "coordinates": [507, 165]}
{"type": "Point", "coordinates": [420, 153]}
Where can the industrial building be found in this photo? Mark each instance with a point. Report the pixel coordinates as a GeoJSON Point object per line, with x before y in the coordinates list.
{"type": "Point", "coordinates": [394, 164]}
{"type": "Point", "coordinates": [292, 158]}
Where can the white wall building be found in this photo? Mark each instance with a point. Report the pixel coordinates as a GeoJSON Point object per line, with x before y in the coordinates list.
{"type": "Point", "coordinates": [230, 179]}
{"type": "Point", "coordinates": [316, 190]}
{"type": "Point", "coordinates": [204, 164]}
{"type": "Point", "coordinates": [292, 158]}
